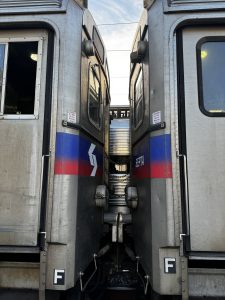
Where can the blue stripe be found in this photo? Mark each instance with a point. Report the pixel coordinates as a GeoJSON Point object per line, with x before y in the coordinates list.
{"type": "Point", "coordinates": [75, 148]}
{"type": "Point", "coordinates": [67, 146]}
{"type": "Point", "coordinates": [160, 148]}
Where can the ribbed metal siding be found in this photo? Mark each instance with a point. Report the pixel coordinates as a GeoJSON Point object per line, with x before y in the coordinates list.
{"type": "Point", "coordinates": [30, 3]}
{"type": "Point", "coordinates": [194, 1]}
{"type": "Point", "coordinates": [119, 138]}
{"type": "Point", "coordinates": [118, 182]}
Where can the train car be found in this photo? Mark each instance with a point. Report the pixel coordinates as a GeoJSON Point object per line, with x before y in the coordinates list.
{"type": "Point", "coordinates": [54, 91]}
{"type": "Point", "coordinates": [177, 100]}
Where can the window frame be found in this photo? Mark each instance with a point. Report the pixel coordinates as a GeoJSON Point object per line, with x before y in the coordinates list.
{"type": "Point", "coordinates": [200, 74]}
{"type": "Point", "coordinates": [7, 41]}
{"type": "Point", "coordinates": [98, 44]}
{"type": "Point", "coordinates": [91, 69]}
{"type": "Point", "coordinates": [137, 125]}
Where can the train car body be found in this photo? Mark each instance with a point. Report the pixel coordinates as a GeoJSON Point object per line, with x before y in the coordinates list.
{"type": "Point", "coordinates": [177, 110]}
{"type": "Point", "coordinates": [54, 92]}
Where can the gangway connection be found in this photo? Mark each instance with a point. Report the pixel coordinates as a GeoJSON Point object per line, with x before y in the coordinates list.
{"type": "Point", "coordinates": [118, 266]}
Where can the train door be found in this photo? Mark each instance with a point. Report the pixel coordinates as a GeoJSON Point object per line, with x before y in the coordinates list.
{"type": "Point", "coordinates": [22, 103]}
{"type": "Point", "coordinates": [203, 107]}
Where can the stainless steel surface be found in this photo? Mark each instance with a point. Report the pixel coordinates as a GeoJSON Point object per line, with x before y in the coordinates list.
{"type": "Point", "coordinates": [72, 215]}
{"type": "Point", "coordinates": [184, 278]}
{"type": "Point", "coordinates": [119, 137]}
{"type": "Point", "coordinates": [205, 156]}
{"type": "Point", "coordinates": [207, 282]}
{"type": "Point", "coordinates": [19, 275]}
{"type": "Point", "coordinates": [42, 275]}
{"type": "Point", "coordinates": [193, 5]}
{"type": "Point", "coordinates": [21, 161]}
{"type": "Point", "coordinates": [30, 3]}
{"type": "Point", "coordinates": [182, 2]}
{"type": "Point", "coordinates": [158, 220]}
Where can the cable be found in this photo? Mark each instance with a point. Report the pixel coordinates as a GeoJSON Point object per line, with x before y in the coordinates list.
{"type": "Point", "coordinates": [113, 24]}
{"type": "Point", "coordinates": [119, 94]}
{"type": "Point", "coordinates": [117, 50]}
{"type": "Point", "coordinates": [119, 77]}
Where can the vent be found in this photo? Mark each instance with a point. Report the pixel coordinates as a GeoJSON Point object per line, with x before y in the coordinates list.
{"type": "Point", "coordinates": [193, 5]}
{"type": "Point", "coordinates": [171, 2]}
{"type": "Point", "coordinates": [31, 3]}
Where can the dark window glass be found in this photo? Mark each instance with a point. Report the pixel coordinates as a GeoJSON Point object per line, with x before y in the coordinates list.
{"type": "Point", "coordinates": [138, 101]}
{"type": "Point", "coordinates": [21, 78]}
{"type": "Point", "coordinates": [2, 58]}
{"type": "Point", "coordinates": [94, 97]}
{"type": "Point", "coordinates": [211, 56]}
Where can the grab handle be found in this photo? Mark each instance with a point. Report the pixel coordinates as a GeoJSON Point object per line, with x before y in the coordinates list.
{"type": "Point", "coordinates": [184, 159]}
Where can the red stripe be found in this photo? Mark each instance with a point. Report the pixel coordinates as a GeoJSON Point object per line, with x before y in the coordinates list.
{"type": "Point", "coordinates": [85, 169]}
{"type": "Point", "coordinates": [142, 172]}
{"type": "Point", "coordinates": [66, 167]}
{"type": "Point", "coordinates": [161, 170]}
{"type": "Point", "coordinates": [155, 170]}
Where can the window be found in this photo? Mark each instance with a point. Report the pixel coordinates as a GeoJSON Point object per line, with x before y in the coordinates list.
{"type": "Point", "coordinates": [138, 100]}
{"type": "Point", "coordinates": [94, 101]}
{"type": "Point", "coordinates": [18, 78]}
{"type": "Point", "coordinates": [211, 76]}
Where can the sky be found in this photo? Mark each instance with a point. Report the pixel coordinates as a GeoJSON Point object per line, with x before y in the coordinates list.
{"type": "Point", "coordinates": [117, 37]}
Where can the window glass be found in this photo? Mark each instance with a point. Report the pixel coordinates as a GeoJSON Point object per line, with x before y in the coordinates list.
{"type": "Point", "coordinates": [212, 77]}
{"type": "Point", "coordinates": [138, 102]}
{"type": "Point", "coordinates": [2, 58]}
{"type": "Point", "coordinates": [21, 78]}
{"type": "Point", "coordinates": [94, 97]}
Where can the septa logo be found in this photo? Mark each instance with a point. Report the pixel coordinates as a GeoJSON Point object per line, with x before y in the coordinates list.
{"type": "Point", "coordinates": [93, 159]}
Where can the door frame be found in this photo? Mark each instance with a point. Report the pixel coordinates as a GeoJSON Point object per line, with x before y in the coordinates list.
{"type": "Point", "coordinates": [182, 146]}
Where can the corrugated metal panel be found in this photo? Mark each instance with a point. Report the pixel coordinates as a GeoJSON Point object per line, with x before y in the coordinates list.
{"type": "Point", "coordinates": [193, 5]}
{"type": "Point", "coordinates": [31, 3]}
{"type": "Point", "coordinates": [119, 137]}
{"type": "Point", "coordinates": [194, 1]}
{"type": "Point", "coordinates": [118, 182]}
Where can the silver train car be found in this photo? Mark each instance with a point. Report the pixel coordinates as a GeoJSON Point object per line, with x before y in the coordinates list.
{"type": "Point", "coordinates": [54, 91]}
{"type": "Point", "coordinates": [177, 100]}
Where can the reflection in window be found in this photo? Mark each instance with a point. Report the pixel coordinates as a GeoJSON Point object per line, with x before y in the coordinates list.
{"type": "Point", "coordinates": [21, 78]}
{"type": "Point", "coordinates": [138, 102]}
{"type": "Point", "coordinates": [94, 97]}
{"type": "Point", "coordinates": [212, 91]}
{"type": "Point", "coordinates": [2, 58]}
